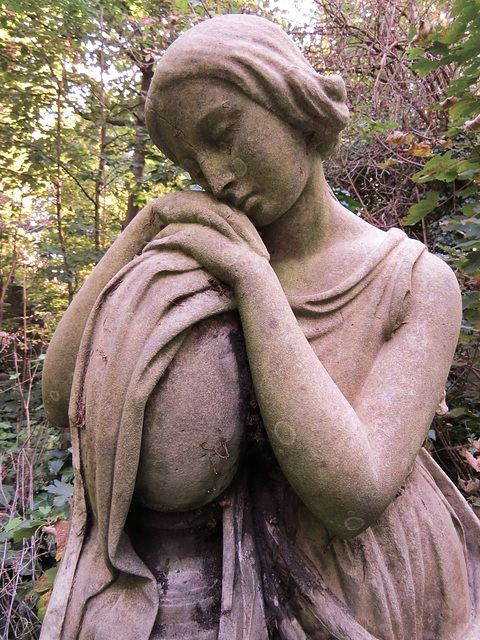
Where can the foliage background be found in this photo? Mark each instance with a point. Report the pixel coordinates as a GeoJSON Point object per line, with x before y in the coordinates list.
{"type": "Point", "coordinates": [76, 165]}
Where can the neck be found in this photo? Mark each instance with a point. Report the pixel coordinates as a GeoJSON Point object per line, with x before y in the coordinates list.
{"type": "Point", "coordinates": [305, 228]}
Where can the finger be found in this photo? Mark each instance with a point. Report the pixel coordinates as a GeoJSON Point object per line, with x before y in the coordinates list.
{"type": "Point", "coordinates": [247, 231]}
{"type": "Point", "coordinates": [212, 250]}
{"type": "Point", "coordinates": [224, 247]}
{"type": "Point", "coordinates": [199, 239]}
{"type": "Point", "coordinates": [202, 208]}
{"type": "Point", "coordinates": [198, 222]}
{"type": "Point", "coordinates": [186, 206]}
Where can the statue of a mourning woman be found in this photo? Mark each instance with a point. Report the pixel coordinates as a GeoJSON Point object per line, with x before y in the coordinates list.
{"type": "Point", "coordinates": [256, 369]}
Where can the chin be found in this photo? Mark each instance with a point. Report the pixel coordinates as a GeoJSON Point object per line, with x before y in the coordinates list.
{"type": "Point", "coordinates": [263, 217]}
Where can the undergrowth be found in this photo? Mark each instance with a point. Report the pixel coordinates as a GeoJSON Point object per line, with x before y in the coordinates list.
{"type": "Point", "coordinates": [35, 490]}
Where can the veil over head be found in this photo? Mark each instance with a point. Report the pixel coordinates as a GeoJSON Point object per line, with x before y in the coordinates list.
{"type": "Point", "coordinates": [260, 59]}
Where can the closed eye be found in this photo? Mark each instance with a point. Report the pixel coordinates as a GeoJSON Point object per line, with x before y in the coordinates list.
{"type": "Point", "coordinates": [219, 126]}
{"type": "Point", "coordinates": [221, 134]}
{"type": "Point", "coordinates": [223, 138]}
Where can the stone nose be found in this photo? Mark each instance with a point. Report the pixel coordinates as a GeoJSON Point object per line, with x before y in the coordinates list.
{"type": "Point", "coordinates": [218, 174]}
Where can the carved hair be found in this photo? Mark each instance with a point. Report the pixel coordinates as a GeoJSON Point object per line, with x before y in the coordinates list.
{"type": "Point", "coordinates": [260, 59]}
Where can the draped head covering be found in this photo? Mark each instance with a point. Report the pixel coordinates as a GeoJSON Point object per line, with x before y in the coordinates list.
{"type": "Point", "coordinates": [262, 61]}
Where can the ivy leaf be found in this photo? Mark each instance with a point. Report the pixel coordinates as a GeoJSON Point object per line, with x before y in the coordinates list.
{"type": "Point", "coordinates": [62, 491]}
{"type": "Point", "coordinates": [422, 208]}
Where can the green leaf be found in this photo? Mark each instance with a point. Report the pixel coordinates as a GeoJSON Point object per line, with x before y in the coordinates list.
{"type": "Point", "coordinates": [415, 52]}
{"type": "Point", "coordinates": [56, 465]}
{"type": "Point", "coordinates": [426, 65]}
{"type": "Point", "coordinates": [472, 263]}
{"type": "Point", "coordinates": [27, 529]}
{"type": "Point", "coordinates": [62, 491]}
{"type": "Point", "coordinates": [469, 227]}
{"type": "Point", "coordinates": [6, 497]}
{"type": "Point", "coordinates": [455, 32]}
{"type": "Point", "coordinates": [471, 208]}
{"type": "Point", "coordinates": [459, 411]}
{"type": "Point", "coordinates": [422, 208]}
{"type": "Point", "coordinates": [434, 167]}
{"type": "Point", "coordinates": [463, 109]}
{"type": "Point", "coordinates": [468, 299]}
{"type": "Point", "coordinates": [469, 191]}
{"type": "Point", "coordinates": [439, 48]}
{"type": "Point", "coordinates": [13, 524]}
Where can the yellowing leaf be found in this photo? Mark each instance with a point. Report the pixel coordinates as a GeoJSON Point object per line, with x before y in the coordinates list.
{"type": "Point", "coordinates": [419, 149]}
{"type": "Point", "coordinates": [471, 487]}
{"type": "Point", "coordinates": [42, 605]}
{"type": "Point", "coordinates": [445, 143]}
{"type": "Point", "coordinates": [44, 587]}
{"type": "Point", "coordinates": [43, 584]}
{"type": "Point", "coordinates": [472, 461]}
{"type": "Point", "coordinates": [425, 31]}
{"type": "Point", "coordinates": [389, 163]}
{"type": "Point", "coordinates": [59, 529]}
{"type": "Point", "coordinates": [398, 137]}
{"type": "Point", "coordinates": [449, 102]}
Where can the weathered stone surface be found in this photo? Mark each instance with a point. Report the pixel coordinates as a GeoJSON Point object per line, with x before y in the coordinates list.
{"type": "Point", "coordinates": [251, 392]}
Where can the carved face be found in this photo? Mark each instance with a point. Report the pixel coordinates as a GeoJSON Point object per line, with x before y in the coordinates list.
{"type": "Point", "coordinates": [233, 147]}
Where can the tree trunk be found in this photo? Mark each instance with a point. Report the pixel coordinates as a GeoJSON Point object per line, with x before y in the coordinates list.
{"type": "Point", "coordinates": [138, 160]}
{"type": "Point", "coordinates": [58, 192]}
{"type": "Point", "coordinates": [8, 279]}
{"type": "Point", "coordinates": [100, 178]}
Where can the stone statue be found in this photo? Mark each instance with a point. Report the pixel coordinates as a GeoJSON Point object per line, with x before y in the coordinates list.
{"type": "Point", "coordinates": [256, 369]}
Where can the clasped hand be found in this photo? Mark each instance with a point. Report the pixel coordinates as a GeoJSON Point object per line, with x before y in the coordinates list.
{"type": "Point", "coordinates": [221, 238]}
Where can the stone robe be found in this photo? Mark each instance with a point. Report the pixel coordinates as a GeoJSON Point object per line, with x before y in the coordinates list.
{"type": "Point", "coordinates": [414, 574]}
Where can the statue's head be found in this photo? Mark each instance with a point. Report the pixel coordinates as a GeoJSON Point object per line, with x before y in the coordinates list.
{"type": "Point", "coordinates": [235, 103]}
{"type": "Point", "coordinates": [260, 59]}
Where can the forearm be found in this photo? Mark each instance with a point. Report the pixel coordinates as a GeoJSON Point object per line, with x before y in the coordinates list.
{"type": "Point", "coordinates": [316, 435]}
